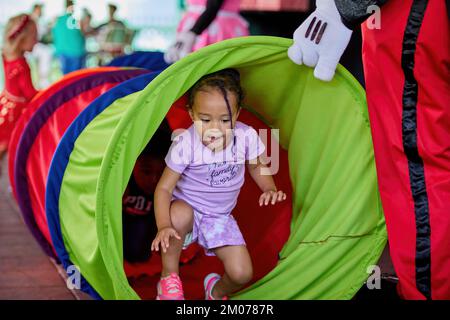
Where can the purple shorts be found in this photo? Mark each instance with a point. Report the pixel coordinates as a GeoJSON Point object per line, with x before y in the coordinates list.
{"type": "Point", "coordinates": [214, 231]}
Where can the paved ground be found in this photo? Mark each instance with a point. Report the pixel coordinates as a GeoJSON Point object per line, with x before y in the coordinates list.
{"type": "Point", "coordinates": [25, 271]}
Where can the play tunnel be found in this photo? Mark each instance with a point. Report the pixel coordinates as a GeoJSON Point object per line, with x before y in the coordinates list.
{"type": "Point", "coordinates": [34, 105]}
{"type": "Point", "coordinates": [316, 245]}
{"type": "Point", "coordinates": [44, 121]}
{"type": "Point", "coordinates": [141, 59]}
{"type": "Point", "coordinates": [41, 135]}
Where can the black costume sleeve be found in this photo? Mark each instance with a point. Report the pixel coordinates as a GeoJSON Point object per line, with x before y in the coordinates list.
{"type": "Point", "coordinates": [447, 2]}
{"type": "Point", "coordinates": [354, 12]}
{"type": "Point", "coordinates": [208, 16]}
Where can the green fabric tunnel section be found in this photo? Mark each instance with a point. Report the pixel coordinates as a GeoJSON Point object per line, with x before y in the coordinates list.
{"type": "Point", "coordinates": [337, 229]}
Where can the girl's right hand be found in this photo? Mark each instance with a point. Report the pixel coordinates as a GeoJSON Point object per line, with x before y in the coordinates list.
{"type": "Point", "coordinates": [163, 238]}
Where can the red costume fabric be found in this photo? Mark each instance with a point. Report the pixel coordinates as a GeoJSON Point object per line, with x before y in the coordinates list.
{"type": "Point", "coordinates": [406, 65]}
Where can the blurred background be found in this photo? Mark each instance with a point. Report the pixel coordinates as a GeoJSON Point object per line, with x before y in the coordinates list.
{"type": "Point", "coordinates": [150, 25]}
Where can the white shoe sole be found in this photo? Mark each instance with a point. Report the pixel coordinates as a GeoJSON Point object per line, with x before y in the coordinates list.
{"type": "Point", "coordinates": [205, 282]}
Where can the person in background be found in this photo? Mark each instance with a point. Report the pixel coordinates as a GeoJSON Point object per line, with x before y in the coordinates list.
{"type": "Point", "coordinates": [138, 220]}
{"type": "Point", "coordinates": [86, 24]}
{"type": "Point", "coordinates": [206, 22]}
{"type": "Point", "coordinates": [42, 52]}
{"type": "Point", "coordinates": [20, 37]}
{"type": "Point", "coordinates": [69, 41]}
{"type": "Point", "coordinates": [114, 36]}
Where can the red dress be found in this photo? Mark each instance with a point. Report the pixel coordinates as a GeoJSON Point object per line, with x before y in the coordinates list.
{"type": "Point", "coordinates": [18, 91]}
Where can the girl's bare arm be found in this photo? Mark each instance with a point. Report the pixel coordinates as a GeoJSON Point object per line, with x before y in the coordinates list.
{"type": "Point", "coordinates": [264, 182]}
{"type": "Point", "coordinates": [163, 196]}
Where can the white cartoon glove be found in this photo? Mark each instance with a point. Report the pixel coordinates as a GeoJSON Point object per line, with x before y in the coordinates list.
{"type": "Point", "coordinates": [182, 47]}
{"type": "Point", "coordinates": [321, 40]}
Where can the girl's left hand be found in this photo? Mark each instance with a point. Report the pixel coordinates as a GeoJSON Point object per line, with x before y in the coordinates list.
{"type": "Point", "coordinates": [272, 197]}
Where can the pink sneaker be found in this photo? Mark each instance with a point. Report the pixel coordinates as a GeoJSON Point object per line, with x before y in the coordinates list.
{"type": "Point", "coordinates": [170, 288]}
{"type": "Point", "coordinates": [209, 283]}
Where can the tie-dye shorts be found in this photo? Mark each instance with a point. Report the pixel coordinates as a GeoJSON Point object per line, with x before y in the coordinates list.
{"type": "Point", "coordinates": [214, 231]}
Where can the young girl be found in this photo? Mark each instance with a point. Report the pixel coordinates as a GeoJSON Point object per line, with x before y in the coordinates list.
{"type": "Point", "coordinates": [20, 36]}
{"type": "Point", "coordinates": [200, 185]}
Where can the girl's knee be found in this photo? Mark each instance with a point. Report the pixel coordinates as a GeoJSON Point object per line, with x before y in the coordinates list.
{"type": "Point", "coordinates": [240, 274]}
{"type": "Point", "coordinates": [181, 216]}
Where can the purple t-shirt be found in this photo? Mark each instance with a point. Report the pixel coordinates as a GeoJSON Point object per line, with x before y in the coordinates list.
{"type": "Point", "coordinates": [210, 181]}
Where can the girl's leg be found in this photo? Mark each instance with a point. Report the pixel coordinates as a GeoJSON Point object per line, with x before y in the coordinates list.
{"type": "Point", "coordinates": [182, 217]}
{"type": "Point", "coordinates": [238, 270]}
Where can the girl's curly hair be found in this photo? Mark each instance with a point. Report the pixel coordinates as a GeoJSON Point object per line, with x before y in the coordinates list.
{"type": "Point", "coordinates": [226, 81]}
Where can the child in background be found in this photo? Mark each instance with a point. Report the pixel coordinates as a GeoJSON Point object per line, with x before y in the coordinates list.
{"type": "Point", "coordinates": [20, 37]}
{"type": "Point", "coordinates": [139, 226]}
{"type": "Point", "coordinates": [138, 219]}
{"type": "Point", "coordinates": [200, 185]}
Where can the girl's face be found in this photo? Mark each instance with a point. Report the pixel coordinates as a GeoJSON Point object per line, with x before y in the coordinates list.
{"type": "Point", "coordinates": [212, 119]}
